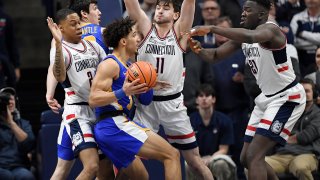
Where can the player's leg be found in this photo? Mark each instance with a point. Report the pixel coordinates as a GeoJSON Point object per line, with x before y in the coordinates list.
{"type": "Point", "coordinates": [105, 169]}
{"type": "Point", "coordinates": [196, 164]}
{"type": "Point", "coordinates": [176, 124]}
{"type": "Point", "coordinates": [90, 161]}
{"type": "Point", "coordinates": [136, 171]}
{"type": "Point", "coordinates": [155, 147]}
{"type": "Point", "coordinates": [274, 128]}
{"type": "Point", "coordinates": [65, 155]}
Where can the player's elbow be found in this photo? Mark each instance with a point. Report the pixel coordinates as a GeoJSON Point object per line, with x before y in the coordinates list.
{"type": "Point", "coordinates": [92, 101]}
{"type": "Point", "coordinates": [60, 78]}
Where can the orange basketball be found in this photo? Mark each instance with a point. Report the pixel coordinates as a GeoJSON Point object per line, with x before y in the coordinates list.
{"type": "Point", "coordinates": [143, 70]}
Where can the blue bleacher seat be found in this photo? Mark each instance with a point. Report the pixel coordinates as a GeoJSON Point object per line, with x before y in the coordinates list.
{"type": "Point", "coordinates": [47, 146]}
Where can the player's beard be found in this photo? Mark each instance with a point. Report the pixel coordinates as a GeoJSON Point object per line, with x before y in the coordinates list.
{"type": "Point", "coordinates": [162, 21]}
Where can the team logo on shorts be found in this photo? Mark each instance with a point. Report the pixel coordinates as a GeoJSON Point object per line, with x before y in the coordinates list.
{"type": "Point", "coordinates": [276, 127]}
{"type": "Point", "coordinates": [77, 139]}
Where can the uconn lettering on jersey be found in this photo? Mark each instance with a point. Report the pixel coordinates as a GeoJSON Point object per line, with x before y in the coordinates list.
{"type": "Point", "coordinates": [86, 63]}
{"type": "Point", "coordinates": [251, 52]}
{"type": "Point", "coordinates": [160, 49]}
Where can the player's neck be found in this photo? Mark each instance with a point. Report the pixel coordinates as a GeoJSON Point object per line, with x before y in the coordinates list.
{"type": "Point", "coordinates": [121, 55]}
{"type": "Point", "coordinates": [71, 41]}
{"type": "Point", "coordinates": [313, 12]}
{"type": "Point", "coordinates": [163, 29]}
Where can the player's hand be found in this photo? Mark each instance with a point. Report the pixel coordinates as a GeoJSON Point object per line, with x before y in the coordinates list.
{"type": "Point", "coordinates": [195, 45]}
{"type": "Point", "coordinates": [53, 104]}
{"type": "Point", "coordinates": [55, 31]}
{"type": "Point", "coordinates": [199, 31]}
{"type": "Point", "coordinates": [131, 88]}
{"type": "Point", "coordinates": [160, 85]}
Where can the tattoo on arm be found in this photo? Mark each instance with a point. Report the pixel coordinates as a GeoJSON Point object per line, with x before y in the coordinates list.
{"type": "Point", "coordinates": [59, 70]}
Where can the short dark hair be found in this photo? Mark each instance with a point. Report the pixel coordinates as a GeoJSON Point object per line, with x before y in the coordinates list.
{"type": "Point", "coordinates": [176, 4]}
{"type": "Point", "coordinates": [62, 14]}
{"type": "Point", "coordinates": [264, 3]}
{"type": "Point", "coordinates": [117, 30]}
{"type": "Point", "coordinates": [222, 19]}
{"type": "Point", "coordinates": [81, 5]}
{"type": "Point", "coordinates": [308, 81]}
{"type": "Point", "coordinates": [206, 89]}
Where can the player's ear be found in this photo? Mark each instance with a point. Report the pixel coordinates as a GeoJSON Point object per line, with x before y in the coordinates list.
{"type": "Point", "coordinates": [123, 41]}
{"type": "Point", "coordinates": [83, 14]}
{"type": "Point", "coordinates": [176, 16]}
{"type": "Point", "coordinates": [60, 27]}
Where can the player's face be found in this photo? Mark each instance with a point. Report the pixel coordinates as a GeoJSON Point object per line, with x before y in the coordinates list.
{"type": "Point", "coordinates": [309, 92]}
{"type": "Point", "coordinates": [318, 58]}
{"type": "Point", "coordinates": [250, 15]}
{"type": "Point", "coordinates": [133, 41]}
{"type": "Point", "coordinates": [165, 13]}
{"type": "Point", "coordinates": [205, 101]}
{"type": "Point", "coordinates": [71, 28]}
{"type": "Point", "coordinates": [94, 14]}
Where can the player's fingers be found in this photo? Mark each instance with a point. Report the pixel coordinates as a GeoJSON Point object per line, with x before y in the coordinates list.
{"type": "Point", "coordinates": [136, 81]}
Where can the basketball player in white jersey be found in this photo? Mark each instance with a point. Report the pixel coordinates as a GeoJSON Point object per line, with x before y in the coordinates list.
{"type": "Point", "coordinates": [74, 65]}
{"type": "Point", "coordinates": [163, 46]}
{"type": "Point", "coordinates": [282, 100]}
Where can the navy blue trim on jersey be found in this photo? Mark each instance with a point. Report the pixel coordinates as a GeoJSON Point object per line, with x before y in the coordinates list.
{"type": "Point", "coordinates": [66, 83]}
{"type": "Point", "coordinates": [280, 56]}
{"type": "Point", "coordinates": [294, 83]}
{"type": "Point", "coordinates": [74, 129]}
{"type": "Point", "coordinates": [185, 146]}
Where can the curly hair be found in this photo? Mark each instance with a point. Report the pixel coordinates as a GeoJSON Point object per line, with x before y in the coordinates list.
{"type": "Point", "coordinates": [81, 5]}
{"type": "Point", "coordinates": [176, 4]}
{"type": "Point", "coordinates": [117, 30]}
{"type": "Point", "coordinates": [264, 3]}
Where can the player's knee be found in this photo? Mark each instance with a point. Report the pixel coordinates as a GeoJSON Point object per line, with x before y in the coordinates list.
{"type": "Point", "coordinates": [243, 160]}
{"type": "Point", "coordinates": [91, 168]}
{"type": "Point", "coordinates": [173, 154]}
{"type": "Point", "coordinates": [252, 158]}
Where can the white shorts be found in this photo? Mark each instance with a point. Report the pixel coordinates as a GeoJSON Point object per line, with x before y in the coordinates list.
{"type": "Point", "coordinates": [274, 117]}
{"type": "Point", "coordinates": [76, 130]}
{"type": "Point", "coordinates": [172, 115]}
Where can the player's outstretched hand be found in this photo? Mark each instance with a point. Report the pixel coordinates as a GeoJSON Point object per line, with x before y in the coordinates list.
{"type": "Point", "coordinates": [53, 104]}
{"type": "Point", "coordinates": [55, 31]}
{"type": "Point", "coordinates": [134, 87]}
{"type": "Point", "coordinates": [161, 85]}
{"type": "Point", "coordinates": [199, 31]}
{"type": "Point", "coordinates": [195, 45]}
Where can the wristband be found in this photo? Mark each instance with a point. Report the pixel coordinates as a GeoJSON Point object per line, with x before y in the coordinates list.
{"type": "Point", "coordinates": [119, 94]}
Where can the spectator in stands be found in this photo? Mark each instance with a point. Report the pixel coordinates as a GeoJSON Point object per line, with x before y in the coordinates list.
{"type": "Point", "coordinates": [231, 96]}
{"type": "Point", "coordinates": [8, 46]}
{"type": "Point", "coordinates": [214, 134]}
{"type": "Point", "coordinates": [148, 6]}
{"type": "Point", "coordinates": [210, 11]}
{"type": "Point", "coordinates": [299, 155]}
{"type": "Point", "coordinates": [232, 9]}
{"type": "Point", "coordinates": [306, 28]}
{"type": "Point", "coordinates": [286, 9]}
{"type": "Point", "coordinates": [16, 139]}
{"type": "Point", "coordinates": [315, 76]}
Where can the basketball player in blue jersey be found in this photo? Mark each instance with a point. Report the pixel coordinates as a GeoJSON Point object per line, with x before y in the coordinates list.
{"type": "Point", "coordinates": [282, 100]}
{"type": "Point", "coordinates": [89, 14]}
{"type": "Point", "coordinates": [163, 47]}
{"type": "Point", "coordinates": [119, 137]}
{"type": "Point", "coordinates": [74, 63]}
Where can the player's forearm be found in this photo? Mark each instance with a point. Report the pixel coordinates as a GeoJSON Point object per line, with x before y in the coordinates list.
{"type": "Point", "coordinates": [59, 70]}
{"type": "Point", "coordinates": [133, 8]}
{"type": "Point", "coordinates": [236, 34]}
{"type": "Point", "coordinates": [208, 55]}
{"type": "Point", "coordinates": [51, 83]}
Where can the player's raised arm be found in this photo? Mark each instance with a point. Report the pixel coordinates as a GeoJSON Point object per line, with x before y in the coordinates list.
{"type": "Point", "coordinates": [213, 55]}
{"type": "Point", "coordinates": [137, 14]}
{"type": "Point", "coordinates": [185, 21]}
{"type": "Point", "coordinates": [59, 69]}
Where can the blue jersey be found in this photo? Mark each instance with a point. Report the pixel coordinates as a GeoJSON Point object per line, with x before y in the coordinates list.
{"type": "Point", "coordinates": [93, 32]}
{"type": "Point", "coordinates": [123, 104]}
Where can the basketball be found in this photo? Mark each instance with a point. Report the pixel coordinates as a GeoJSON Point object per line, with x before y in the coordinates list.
{"type": "Point", "coordinates": [143, 70]}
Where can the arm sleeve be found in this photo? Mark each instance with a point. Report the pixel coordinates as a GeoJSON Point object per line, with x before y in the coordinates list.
{"type": "Point", "coordinates": [146, 98]}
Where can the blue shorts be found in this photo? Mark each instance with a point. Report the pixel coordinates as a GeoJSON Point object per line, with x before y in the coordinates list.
{"type": "Point", "coordinates": [120, 139]}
